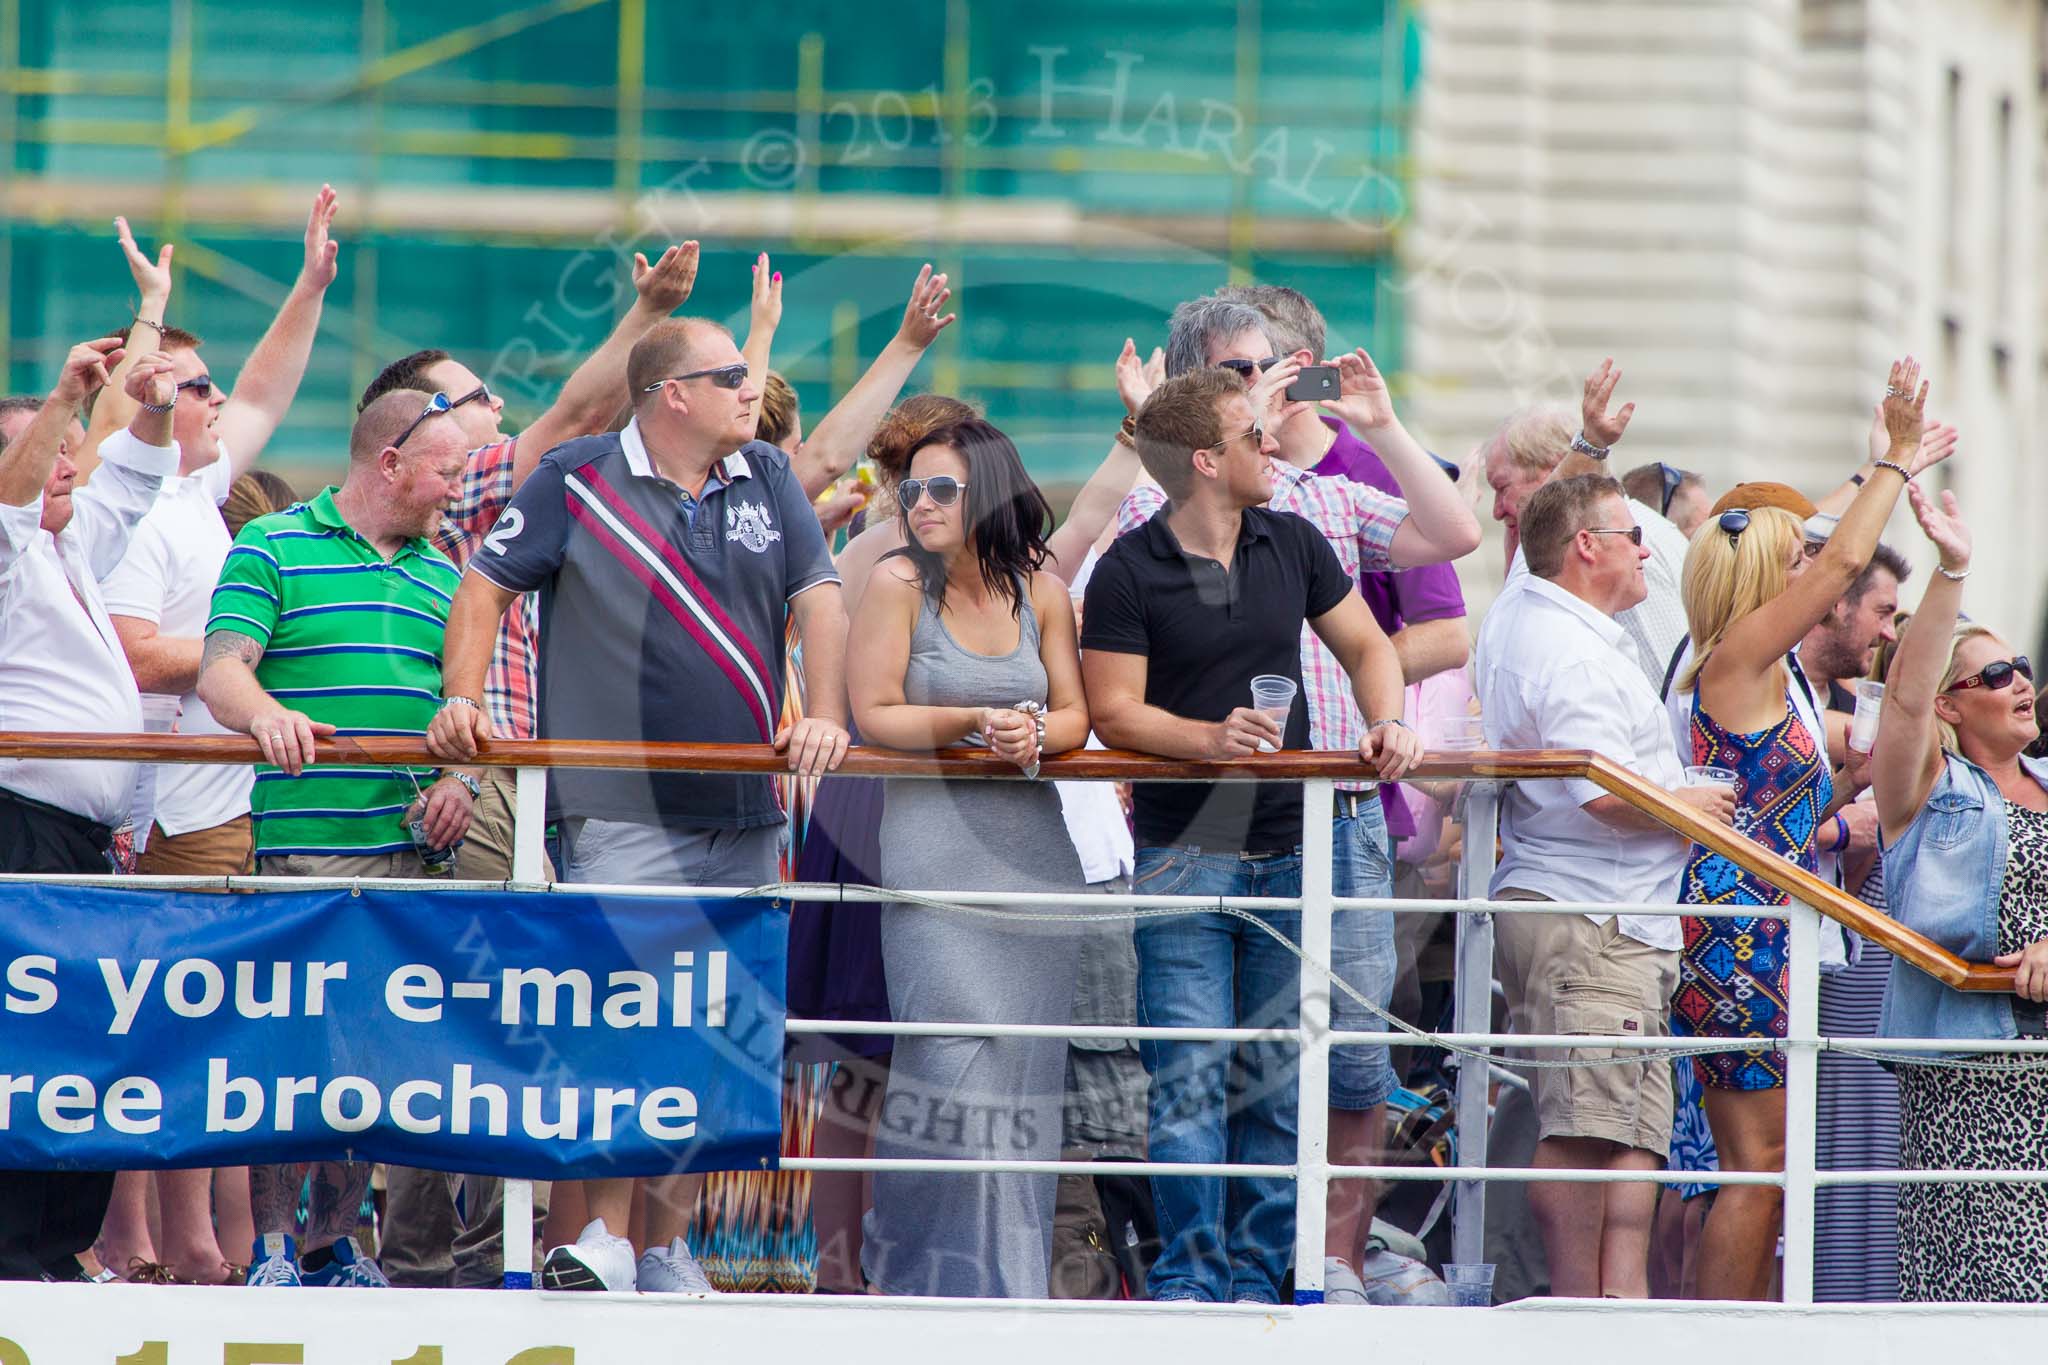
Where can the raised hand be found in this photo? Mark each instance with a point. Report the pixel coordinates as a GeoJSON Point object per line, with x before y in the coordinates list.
{"type": "Point", "coordinates": [151, 381]}
{"type": "Point", "coordinates": [1905, 408]}
{"type": "Point", "coordinates": [1155, 368]}
{"type": "Point", "coordinates": [152, 279]}
{"type": "Point", "coordinates": [322, 251]}
{"type": "Point", "coordinates": [1133, 385]}
{"type": "Point", "coordinates": [766, 314]}
{"type": "Point", "coordinates": [1269, 399]}
{"type": "Point", "coordinates": [665, 286]}
{"type": "Point", "coordinates": [1364, 400]}
{"type": "Point", "coordinates": [1937, 443]}
{"type": "Point", "coordinates": [921, 320]}
{"type": "Point", "coordinates": [86, 369]}
{"type": "Point", "coordinates": [1943, 526]}
{"type": "Point", "coordinates": [1603, 428]}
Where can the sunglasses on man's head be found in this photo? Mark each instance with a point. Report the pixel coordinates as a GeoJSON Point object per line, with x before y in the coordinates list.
{"type": "Point", "coordinates": [724, 376]}
{"type": "Point", "coordinates": [943, 488]}
{"type": "Point", "coordinates": [1674, 479]}
{"type": "Point", "coordinates": [1995, 677]}
{"type": "Point", "coordinates": [201, 387]}
{"type": "Point", "coordinates": [1245, 368]}
{"type": "Point", "coordinates": [436, 405]}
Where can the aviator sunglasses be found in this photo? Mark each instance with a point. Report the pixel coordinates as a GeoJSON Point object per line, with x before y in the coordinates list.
{"type": "Point", "coordinates": [944, 490]}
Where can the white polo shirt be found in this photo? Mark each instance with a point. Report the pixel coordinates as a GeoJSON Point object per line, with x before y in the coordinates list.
{"type": "Point", "coordinates": [61, 665]}
{"type": "Point", "coordinates": [167, 578]}
{"type": "Point", "coordinates": [1553, 674]}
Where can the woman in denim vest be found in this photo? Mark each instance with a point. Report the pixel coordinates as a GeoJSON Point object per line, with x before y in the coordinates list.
{"type": "Point", "coordinates": [1965, 822]}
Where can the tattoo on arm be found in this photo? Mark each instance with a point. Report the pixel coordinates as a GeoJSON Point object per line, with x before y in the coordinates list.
{"type": "Point", "coordinates": [228, 644]}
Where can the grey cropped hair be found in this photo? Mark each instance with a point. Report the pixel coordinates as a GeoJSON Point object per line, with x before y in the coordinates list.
{"type": "Point", "coordinates": [1199, 322]}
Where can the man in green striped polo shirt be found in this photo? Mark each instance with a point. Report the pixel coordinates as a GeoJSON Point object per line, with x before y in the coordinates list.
{"type": "Point", "coordinates": [327, 620]}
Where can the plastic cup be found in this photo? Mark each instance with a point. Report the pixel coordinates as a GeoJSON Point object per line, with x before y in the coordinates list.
{"type": "Point", "coordinates": [1457, 733]}
{"type": "Point", "coordinates": [1702, 775]}
{"type": "Point", "coordinates": [1470, 1283]}
{"type": "Point", "coordinates": [1273, 695]}
{"type": "Point", "coordinates": [1863, 726]}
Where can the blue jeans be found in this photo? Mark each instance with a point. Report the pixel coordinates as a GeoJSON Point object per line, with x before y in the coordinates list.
{"type": "Point", "coordinates": [1221, 1240]}
{"type": "Point", "coordinates": [1362, 955]}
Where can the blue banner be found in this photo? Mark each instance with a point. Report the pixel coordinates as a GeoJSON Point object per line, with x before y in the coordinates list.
{"type": "Point", "coordinates": [549, 1035]}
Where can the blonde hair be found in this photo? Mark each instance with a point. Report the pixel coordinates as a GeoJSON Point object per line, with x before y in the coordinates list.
{"type": "Point", "coordinates": [1728, 578]}
{"type": "Point", "coordinates": [1534, 439]}
{"type": "Point", "coordinates": [778, 410]}
{"type": "Point", "coordinates": [1965, 631]}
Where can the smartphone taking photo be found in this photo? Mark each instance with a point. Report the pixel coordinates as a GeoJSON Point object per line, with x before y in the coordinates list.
{"type": "Point", "coordinates": [1315, 384]}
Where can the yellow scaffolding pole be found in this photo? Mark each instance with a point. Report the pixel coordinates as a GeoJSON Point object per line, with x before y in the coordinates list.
{"type": "Point", "coordinates": [631, 104]}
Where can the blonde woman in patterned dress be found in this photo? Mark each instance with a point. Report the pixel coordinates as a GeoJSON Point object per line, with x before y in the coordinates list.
{"type": "Point", "coordinates": [1750, 596]}
{"type": "Point", "coordinates": [1965, 820]}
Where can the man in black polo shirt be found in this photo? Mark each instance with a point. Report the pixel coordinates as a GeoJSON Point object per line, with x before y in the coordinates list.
{"type": "Point", "coordinates": [1181, 615]}
{"type": "Point", "coordinates": [669, 558]}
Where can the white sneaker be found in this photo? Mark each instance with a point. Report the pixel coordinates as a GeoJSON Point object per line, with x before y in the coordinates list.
{"type": "Point", "coordinates": [672, 1270]}
{"type": "Point", "coordinates": [1341, 1283]}
{"type": "Point", "coordinates": [597, 1260]}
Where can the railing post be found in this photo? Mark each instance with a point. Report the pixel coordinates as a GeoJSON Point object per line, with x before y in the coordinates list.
{"type": "Point", "coordinates": [1312, 1096]}
{"type": "Point", "coordinates": [1472, 1012]}
{"type": "Point", "coordinates": [529, 826]}
{"type": "Point", "coordinates": [1802, 1102]}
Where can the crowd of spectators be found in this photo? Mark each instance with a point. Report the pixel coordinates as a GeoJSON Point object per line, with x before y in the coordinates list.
{"type": "Point", "coordinates": [1259, 562]}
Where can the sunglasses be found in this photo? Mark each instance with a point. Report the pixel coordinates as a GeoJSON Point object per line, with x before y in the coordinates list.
{"type": "Point", "coordinates": [436, 405]}
{"type": "Point", "coordinates": [1244, 368]}
{"type": "Point", "coordinates": [724, 376]}
{"type": "Point", "coordinates": [1255, 431]}
{"type": "Point", "coordinates": [944, 490]}
{"type": "Point", "coordinates": [1996, 677]}
{"type": "Point", "coordinates": [481, 393]}
{"type": "Point", "coordinates": [1634, 533]}
{"type": "Point", "coordinates": [1674, 479]}
{"type": "Point", "coordinates": [1733, 523]}
{"type": "Point", "coordinates": [202, 387]}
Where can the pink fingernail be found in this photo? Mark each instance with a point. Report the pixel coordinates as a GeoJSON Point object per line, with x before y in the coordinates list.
{"type": "Point", "coordinates": [778, 277]}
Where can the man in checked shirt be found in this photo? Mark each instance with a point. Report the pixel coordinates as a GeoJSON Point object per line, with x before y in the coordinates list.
{"type": "Point", "coordinates": [1371, 532]}
{"type": "Point", "coordinates": [425, 1245]}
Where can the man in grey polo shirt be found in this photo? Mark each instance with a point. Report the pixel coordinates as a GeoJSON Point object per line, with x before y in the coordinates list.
{"type": "Point", "coordinates": [670, 557]}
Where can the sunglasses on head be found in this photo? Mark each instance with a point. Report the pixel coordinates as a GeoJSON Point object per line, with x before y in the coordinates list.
{"type": "Point", "coordinates": [1995, 677]}
{"type": "Point", "coordinates": [1634, 533]}
{"type": "Point", "coordinates": [1244, 368]}
{"type": "Point", "coordinates": [943, 488]}
{"type": "Point", "coordinates": [1674, 479]}
{"type": "Point", "coordinates": [436, 405]}
{"type": "Point", "coordinates": [1733, 523]}
{"type": "Point", "coordinates": [201, 387]}
{"type": "Point", "coordinates": [724, 376]}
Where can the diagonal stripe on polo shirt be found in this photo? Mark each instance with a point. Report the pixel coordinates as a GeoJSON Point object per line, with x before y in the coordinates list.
{"type": "Point", "coordinates": [653, 538]}
{"type": "Point", "coordinates": [685, 606]}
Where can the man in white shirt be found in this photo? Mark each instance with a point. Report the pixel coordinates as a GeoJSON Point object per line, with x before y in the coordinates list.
{"type": "Point", "coordinates": [61, 668]}
{"type": "Point", "coordinates": [160, 596]}
{"type": "Point", "coordinates": [1551, 676]}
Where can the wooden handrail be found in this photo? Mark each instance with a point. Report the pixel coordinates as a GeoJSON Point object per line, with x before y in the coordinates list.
{"type": "Point", "coordinates": [1095, 764]}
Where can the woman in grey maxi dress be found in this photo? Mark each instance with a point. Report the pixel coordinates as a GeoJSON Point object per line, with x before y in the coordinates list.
{"type": "Point", "coordinates": [931, 670]}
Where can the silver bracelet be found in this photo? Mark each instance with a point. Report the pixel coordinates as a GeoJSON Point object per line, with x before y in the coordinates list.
{"type": "Point", "coordinates": [1391, 720]}
{"type": "Point", "coordinates": [470, 702]}
{"type": "Point", "coordinates": [1950, 574]}
{"type": "Point", "coordinates": [1037, 714]}
{"type": "Point", "coordinates": [1895, 467]}
{"type": "Point", "coordinates": [1588, 449]}
{"type": "Point", "coordinates": [158, 409]}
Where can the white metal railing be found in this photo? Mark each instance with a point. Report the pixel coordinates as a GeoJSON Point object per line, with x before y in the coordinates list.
{"type": "Point", "coordinates": [1311, 1170]}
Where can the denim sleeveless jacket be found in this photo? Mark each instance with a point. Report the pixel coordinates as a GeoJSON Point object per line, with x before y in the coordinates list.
{"type": "Point", "coordinates": [1942, 879]}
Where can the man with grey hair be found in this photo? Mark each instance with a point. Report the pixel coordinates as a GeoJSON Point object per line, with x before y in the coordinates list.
{"type": "Point", "coordinates": [683, 497]}
{"type": "Point", "coordinates": [1538, 444]}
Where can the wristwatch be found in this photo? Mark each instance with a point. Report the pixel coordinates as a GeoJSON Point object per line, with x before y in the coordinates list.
{"type": "Point", "coordinates": [475, 788]}
{"type": "Point", "coordinates": [1588, 449]}
{"type": "Point", "coordinates": [471, 702]}
{"type": "Point", "coordinates": [1390, 720]}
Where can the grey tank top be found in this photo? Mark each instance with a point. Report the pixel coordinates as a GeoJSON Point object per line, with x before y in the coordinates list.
{"type": "Point", "coordinates": [943, 673]}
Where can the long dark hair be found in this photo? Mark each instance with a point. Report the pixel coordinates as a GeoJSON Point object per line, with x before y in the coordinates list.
{"type": "Point", "coordinates": [1007, 518]}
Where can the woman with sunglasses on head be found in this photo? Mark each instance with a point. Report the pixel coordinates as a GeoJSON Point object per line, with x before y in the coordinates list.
{"type": "Point", "coordinates": [1965, 820]}
{"type": "Point", "coordinates": [964, 640]}
{"type": "Point", "coordinates": [1750, 595]}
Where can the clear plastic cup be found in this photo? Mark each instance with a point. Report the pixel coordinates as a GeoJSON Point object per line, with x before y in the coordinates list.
{"type": "Point", "coordinates": [1470, 1283]}
{"type": "Point", "coordinates": [1273, 695]}
{"type": "Point", "coordinates": [1704, 775]}
{"type": "Point", "coordinates": [1456, 733]}
{"type": "Point", "coordinates": [1863, 726]}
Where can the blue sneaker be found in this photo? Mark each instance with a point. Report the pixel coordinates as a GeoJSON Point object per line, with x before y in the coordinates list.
{"type": "Point", "coordinates": [349, 1269]}
{"type": "Point", "coordinates": [274, 1262]}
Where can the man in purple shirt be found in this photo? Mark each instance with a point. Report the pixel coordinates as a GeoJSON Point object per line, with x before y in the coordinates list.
{"type": "Point", "coordinates": [1421, 610]}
